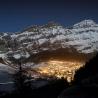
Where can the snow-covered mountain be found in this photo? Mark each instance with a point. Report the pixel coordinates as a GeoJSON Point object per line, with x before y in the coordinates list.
{"type": "Point", "coordinates": [82, 36]}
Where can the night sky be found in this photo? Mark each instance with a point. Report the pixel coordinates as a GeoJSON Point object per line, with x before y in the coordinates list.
{"type": "Point", "coordinates": [15, 15]}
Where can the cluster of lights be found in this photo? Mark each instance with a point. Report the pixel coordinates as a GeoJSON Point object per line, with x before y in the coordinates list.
{"type": "Point", "coordinates": [59, 69]}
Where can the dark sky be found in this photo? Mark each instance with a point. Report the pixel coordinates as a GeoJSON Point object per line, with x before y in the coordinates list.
{"type": "Point", "coordinates": [17, 14]}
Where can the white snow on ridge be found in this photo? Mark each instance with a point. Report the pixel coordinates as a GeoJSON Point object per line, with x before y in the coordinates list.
{"type": "Point", "coordinates": [27, 55]}
{"type": "Point", "coordinates": [6, 68]}
{"type": "Point", "coordinates": [41, 41]}
{"type": "Point", "coordinates": [2, 65]}
{"type": "Point", "coordinates": [80, 37]}
{"type": "Point", "coordinates": [84, 23]}
{"type": "Point", "coordinates": [83, 36]}
{"type": "Point", "coordinates": [13, 36]}
{"type": "Point", "coordinates": [17, 56]}
{"type": "Point", "coordinates": [20, 55]}
{"type": "Point", "coordinates": [5, 34]}
{"type": "Point", "coordinates": [2, 55]}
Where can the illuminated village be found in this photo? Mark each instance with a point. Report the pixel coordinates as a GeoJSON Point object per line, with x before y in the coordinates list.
{"type": "Point", "coordinates": [59, 69]}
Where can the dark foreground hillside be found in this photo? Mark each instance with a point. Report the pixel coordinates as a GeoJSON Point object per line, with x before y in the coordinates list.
{"type": "Point", "coordinates": [84, 85]}
{"type": "Point", "coordinates": [51, 90]}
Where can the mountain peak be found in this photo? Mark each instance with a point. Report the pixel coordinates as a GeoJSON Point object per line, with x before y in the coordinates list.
{"type": "Point", "coordinates": [85, 24]}
{"type": "Point", "coordinates": [51, 24]}
{"type": "Point", "coordinates": [37, 27]}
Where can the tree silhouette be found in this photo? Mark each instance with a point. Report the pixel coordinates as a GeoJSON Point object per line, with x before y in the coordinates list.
{"type": "Point", "coordinates": [85, 83]}
{"type": "Point", "coordinates": [90, 70]}
{"type": "Point", "coordinates": [22, 81]}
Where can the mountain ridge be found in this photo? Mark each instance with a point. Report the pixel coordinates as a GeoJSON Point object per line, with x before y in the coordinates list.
{"type": "Point", "coordinates": [51, 37]}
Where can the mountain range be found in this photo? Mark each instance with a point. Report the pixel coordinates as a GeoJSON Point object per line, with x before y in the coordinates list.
{"type": "Point", "coordinates": [51, 40]}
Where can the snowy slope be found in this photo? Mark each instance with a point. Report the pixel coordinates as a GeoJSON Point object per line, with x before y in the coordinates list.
{"type": "Point", "coordinates": [82, 36]}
